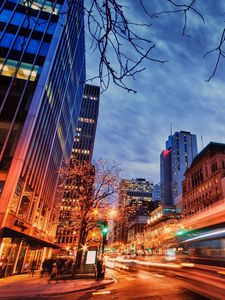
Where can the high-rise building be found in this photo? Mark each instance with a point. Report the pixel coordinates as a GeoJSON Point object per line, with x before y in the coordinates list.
{"type": "Point", "coordinates": [42, 74]}
{"type": "Point", "coordinates": [135, 203]}
{"type": "Point", "coordinates": [82, 151]}
{"type": "Point", "coordinates": [87, 123]}
{"type": "Point", "coordinates": [181, 148]}
{"type": "Point", "coordinates": [166, 177]}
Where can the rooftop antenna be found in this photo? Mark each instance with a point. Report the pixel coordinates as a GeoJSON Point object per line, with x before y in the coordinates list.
{"type": "Point", "coordinates": [202, 140]}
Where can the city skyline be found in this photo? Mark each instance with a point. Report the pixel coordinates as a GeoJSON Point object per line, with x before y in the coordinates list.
{"type": "Point", "coordinates": [172, 93]}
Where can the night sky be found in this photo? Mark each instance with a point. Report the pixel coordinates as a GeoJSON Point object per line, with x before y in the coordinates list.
{"type": "Point", "coordinates": [133, 128]}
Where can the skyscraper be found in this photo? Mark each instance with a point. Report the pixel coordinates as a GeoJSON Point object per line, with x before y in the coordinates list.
{"type": "Point", "coordinates": [82, 151]}
{"type": "Point", "coordinates": [87, 123]}
{"type": "Point", "coordinates": [181, 148]}
{"type": "Point", "coordinates": [42, 70]}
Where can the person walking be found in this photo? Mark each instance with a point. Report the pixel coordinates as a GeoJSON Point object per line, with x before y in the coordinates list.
{"type": "Point", "coordinates": [100, 273]}
{"type": "Point", "coordinates": [54, 272]}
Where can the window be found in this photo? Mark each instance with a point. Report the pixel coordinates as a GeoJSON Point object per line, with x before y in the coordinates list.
{"type": "Point", "coordinates": [24, 207]}
{"type": "Point", "coordinates": [23, 72]}
{"type": "Point", "coordinates": [214, 166]}
{"type": "Point", "coordinates": [5, 15]}
{"type": "Point", "coordinates": [7, 40]}
{"type": "Point", "coordinates": [2, 183]}
{"type": "Point", "coordinates": [223, 164]}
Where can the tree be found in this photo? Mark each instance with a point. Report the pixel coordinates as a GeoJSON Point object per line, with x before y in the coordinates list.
{"type": "Point", "coordinates": [89, 189]}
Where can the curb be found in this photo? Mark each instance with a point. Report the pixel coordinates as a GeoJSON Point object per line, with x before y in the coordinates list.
{"type": "Point", "coordinates": [100, 286]}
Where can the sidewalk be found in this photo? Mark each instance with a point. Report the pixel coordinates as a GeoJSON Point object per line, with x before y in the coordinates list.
{"type": "Point", "coordinates": [22, 286]}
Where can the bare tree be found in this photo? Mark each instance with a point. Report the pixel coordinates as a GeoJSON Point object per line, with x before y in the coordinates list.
{"type": "Point", "coordinates": [90, 189]}
{"type": "Point", "coordinates": [186, 9]}
{"type": "Point", "coordinates": [118, 42]}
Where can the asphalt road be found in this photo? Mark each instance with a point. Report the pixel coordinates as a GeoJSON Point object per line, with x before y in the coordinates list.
{"type": "Point", "coordinates": [139, 285]}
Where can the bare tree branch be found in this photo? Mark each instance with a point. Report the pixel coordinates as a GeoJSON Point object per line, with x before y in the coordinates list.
{"type": "Point", "coordinates": [220, 54]}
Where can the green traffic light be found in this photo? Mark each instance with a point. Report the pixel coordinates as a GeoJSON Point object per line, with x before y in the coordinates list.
{"type": "Point", "coordinates": [105, 230]}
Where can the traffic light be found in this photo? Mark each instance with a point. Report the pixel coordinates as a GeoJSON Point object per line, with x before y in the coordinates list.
{"type": "Point", "coordinates": [105, 229]}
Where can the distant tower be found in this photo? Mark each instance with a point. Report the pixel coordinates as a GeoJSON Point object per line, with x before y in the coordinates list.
{"type": "Point", "coordinates": [181, 148]}
{"type": "Point", "coordinates": [87, 123]}
{"type": "Point", "coordinates": [166, 177]}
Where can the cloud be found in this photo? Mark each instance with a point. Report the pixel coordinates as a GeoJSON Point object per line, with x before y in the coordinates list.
{"type": "Point", "coordinates": [134, 128]}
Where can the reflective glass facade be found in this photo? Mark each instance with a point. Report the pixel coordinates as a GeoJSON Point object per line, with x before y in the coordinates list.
{"type": "Point", "coordinates": [181, 148]}
{"type": "Point", "coordinates": [42, 73]}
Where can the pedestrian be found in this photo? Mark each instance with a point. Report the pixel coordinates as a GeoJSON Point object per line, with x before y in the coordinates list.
{"type": "Point", "coordinates": [60, 266]}
{"type": "Point", "coordinates": [54, 272]}
{"type": "Point", "coordinates": [100, 272]}
{"type": "Point", "coordinates": [44, 268]}
{"type": "Point", "coordinates": [33, 267]}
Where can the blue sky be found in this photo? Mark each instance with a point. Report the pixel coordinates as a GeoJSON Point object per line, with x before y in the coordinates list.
{"type": "Point", "coordinates": [133, 128]}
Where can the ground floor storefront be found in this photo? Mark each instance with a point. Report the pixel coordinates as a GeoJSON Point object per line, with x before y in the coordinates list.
{"type": "Point", "coordinates": [21, 253]}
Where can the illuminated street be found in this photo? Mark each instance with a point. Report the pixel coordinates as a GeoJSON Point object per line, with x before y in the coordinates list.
{"type": "Point", "coordinates": [140, 285]}
{"type": "Point", "coordinates": [112, 150]}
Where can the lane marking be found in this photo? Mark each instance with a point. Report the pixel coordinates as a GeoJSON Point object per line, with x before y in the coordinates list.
{"type": "Point", "coordinates": [101, 293]}
{"type": "Point", "coordinates": [144, 276]}
{"type": "Point", "coordinates": [159, 275]}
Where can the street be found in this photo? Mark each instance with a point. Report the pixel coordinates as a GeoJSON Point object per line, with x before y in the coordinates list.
{"type": "Point", "coordinates": [138, 285]}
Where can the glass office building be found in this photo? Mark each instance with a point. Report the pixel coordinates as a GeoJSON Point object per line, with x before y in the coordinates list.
{"type": "Point", "coordinates": [181, 148]}
{"type": "Point", "coordinates": [42, 74]}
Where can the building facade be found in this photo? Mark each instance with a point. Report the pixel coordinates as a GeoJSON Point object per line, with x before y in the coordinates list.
{"type": "Point", "coordinates": [87, 124]}
{"type": "Point", "coordinates": [166, 177]}
{"type": "Point", "coordinates": [203, 203]}
{"type": "Point", "coordinates": [181, 148]}
{"type": "Point", "coordinates": [82, 151]}
{"type": "Point", "coordinates": [160, 231]}
{"type": "Point", "coordinates": [204, 186]}
{"type": "Point", "coordinates": [42, 70]}
{"type": "Point", "coordinates": [135, 203]}
{"type": "Point", "coordinates": [156, 192]}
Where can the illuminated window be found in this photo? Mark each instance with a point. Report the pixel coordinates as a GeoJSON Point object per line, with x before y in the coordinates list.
{"type": "Point", "coordinates": [37, 5]}
{"type": "Point", "coordinates": [87, 120]}
{"type": "Point", "coordinates": [23, 72]}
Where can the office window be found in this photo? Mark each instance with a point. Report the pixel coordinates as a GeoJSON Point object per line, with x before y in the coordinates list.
{"type": "Point", "coordinates": [5, 15]}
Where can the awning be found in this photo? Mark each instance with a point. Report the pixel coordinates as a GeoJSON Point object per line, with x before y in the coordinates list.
{"type": "Point", "coordinates": [8, 232]}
